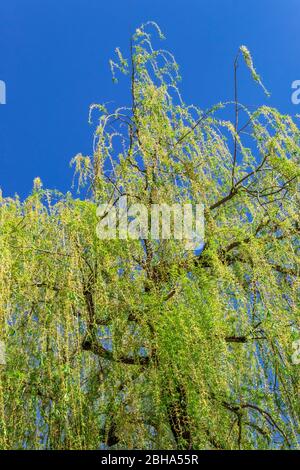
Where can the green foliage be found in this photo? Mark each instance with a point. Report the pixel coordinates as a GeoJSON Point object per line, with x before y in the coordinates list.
{"type": "Point", "coordinates": [140, 343]}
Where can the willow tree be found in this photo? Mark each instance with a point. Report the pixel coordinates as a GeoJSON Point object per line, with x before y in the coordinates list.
{"type": "Point", "coordinates": [143, 344]}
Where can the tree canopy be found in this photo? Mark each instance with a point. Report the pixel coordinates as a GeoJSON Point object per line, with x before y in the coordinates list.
{"type": "Point", "coordinates": [142, 344]}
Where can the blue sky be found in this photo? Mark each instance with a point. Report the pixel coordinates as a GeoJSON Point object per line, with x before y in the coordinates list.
{"type": "Point", "coordinates": [54, 60]}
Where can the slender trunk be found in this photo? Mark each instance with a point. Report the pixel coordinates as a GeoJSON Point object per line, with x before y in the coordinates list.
{"type": "Point", "coordinates": [178, 417]}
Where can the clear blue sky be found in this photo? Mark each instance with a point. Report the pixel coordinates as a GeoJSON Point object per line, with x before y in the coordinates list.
{"type": "Point", "coordinates": [54, 60]}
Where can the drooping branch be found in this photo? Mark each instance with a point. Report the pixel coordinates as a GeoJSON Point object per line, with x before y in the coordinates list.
{"type": "Point", "coordinates": [236, 123]}
{"type": "Point", "coordinates": [237, 408]}
{"type": "Point", "coordinates": [99, 350]}
{"type": "Point", "coordinates": [238, 185]}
